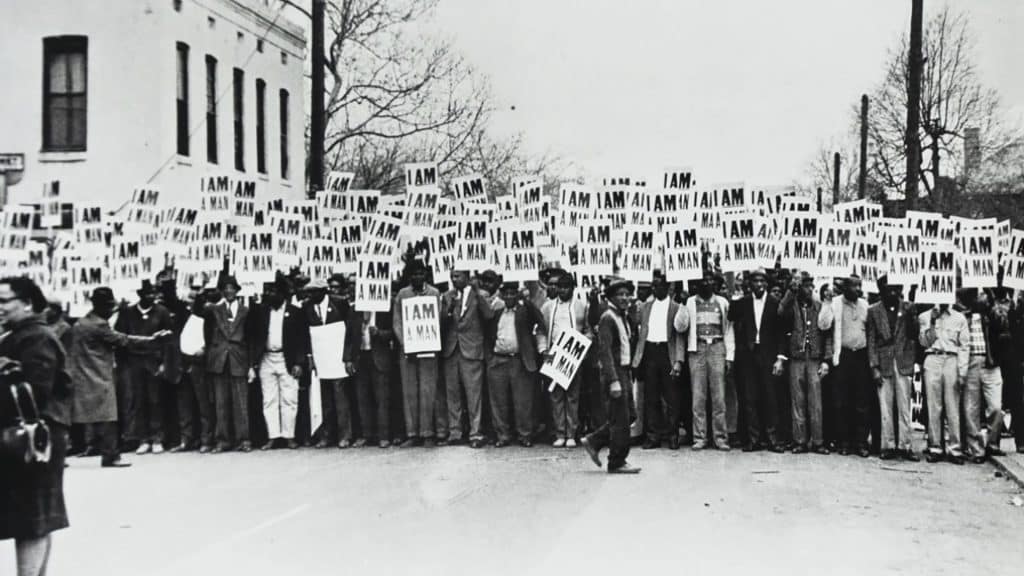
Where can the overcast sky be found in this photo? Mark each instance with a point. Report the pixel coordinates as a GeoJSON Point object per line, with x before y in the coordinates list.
{"type": "Point", "coordinates": [737, 90]}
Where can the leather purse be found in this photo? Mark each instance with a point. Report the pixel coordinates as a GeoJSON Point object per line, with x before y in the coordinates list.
{"type": "Point", "coordinates": [27, 439]}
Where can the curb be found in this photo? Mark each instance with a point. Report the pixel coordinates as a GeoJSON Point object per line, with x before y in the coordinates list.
{"type": "Point", "coordinates": [1011, 470]}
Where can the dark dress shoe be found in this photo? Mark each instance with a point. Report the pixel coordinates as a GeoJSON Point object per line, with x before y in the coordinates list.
{"type": "Point", "coordinates": [345, 443]}
{"type": "Point", "coordinates": [651, 444]}
{"type": "Point", "coordinates": [751, 448]}
{"type": "Point", "coordinates": [959, 460]}
{"type": "Point", "coordinates": [673, 443]}
{"type": "Point", "coordinates": [410, 443]}
{"type": "Point", "coordinates": [823, 450]}
{"type": "Point", "coordinates": [888, 455]}
{"type": "Point", "coordinates": [268, 446]}
{"type": "Point", "coordinates": [526, 443]}
{"type": "Point", "coordinates": [245, 447]}
{"type": "Point", "coordinates": [844, 451]}
{"type": "Point", "coordinates": [359, 443]}
{"type": "Point", "coordinates": [322, 444]}
{"type": "Point", "coordinates": [292, 444]}
{"type": "Point", "coordinates": [441, 442]}
{"type": "Point", "coordinates": [204, 449]}
{"type": "Point", "coordinates": [476, 443]}
{"type": "Point", "coordinates": [910, 456]}
{"type": "Point", "coordinates": [384, 444]}
{"type": "Point", "coordinates": [932, 458]}
{"type": "Point", "coordinates": [591, 451]}
{"type": "Point", "coordinates": [863, 452]}
{"type": "Point", "coordinates": [89, 452]}
{"type": "Point", "coordinates": [501, 443]}
{"type": "Point", "coordinates": [978, 460]}
{"type": "Point", "coordinates": [799, 449]}
{"type": "Point", "coordinates": [116, 464]}
{"type": "Point", "coordinates": [625, 469]}
{"type": "Point", "coordinates": [428, 443]}
{"type": "Point", "coordinates": [180, 448]}
{"type": "Point", "coordinates": [777, 448]}
{"type": "Point", "coordinates": [456, 441]}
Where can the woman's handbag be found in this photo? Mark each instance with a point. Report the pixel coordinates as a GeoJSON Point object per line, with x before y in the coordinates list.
{"type": "Point", "coordinates": [28, 438]}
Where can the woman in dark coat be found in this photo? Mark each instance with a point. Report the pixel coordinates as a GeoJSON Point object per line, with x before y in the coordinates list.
{"type": "Point", "coordinates": [32, 495]}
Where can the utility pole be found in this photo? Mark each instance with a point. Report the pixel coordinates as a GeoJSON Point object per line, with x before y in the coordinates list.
{"type": "Point", "coordinates": [862, 178]}
{"type": "Point", "coordinates": [317, 121]}
{"type": "Point", "coordinates": [836, 163]}
{"type": "Point", "coordinates": [912, 141]}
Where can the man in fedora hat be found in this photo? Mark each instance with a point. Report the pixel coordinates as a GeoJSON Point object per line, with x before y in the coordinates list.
{"type": "Point", "coordinates": [91, 367]}
{"type": "Point", "coordinates": [144, 369]}
{"type": "Point", "coordinates": [226, 330]}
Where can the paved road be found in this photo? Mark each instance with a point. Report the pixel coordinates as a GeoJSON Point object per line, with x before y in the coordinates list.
{"type": "Point", "coordinates": [534, 511]}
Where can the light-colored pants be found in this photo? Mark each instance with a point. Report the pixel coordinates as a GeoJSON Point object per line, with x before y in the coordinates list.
{"type": "Point", "coordinates": [987, 383]}
{"type": "Point", "coordinates": [943, 395]}
{"type": "Point", "coordinates": [707, 373]}
{"type": "Point", "coordinates": [895, 390]}
{"type": "Point", "coordinates": [805, 399]}
{"type": "Point", "coordinates": [280, 396]}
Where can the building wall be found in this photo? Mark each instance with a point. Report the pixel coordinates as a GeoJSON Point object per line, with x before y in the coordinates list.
{"type": "Point", "coordinates": [131, 94]}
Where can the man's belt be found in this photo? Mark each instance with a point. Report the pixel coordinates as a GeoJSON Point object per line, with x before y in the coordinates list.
{"type": "Point", "coordinates": [709, 339]}
{"type": "Point", "coordinates": [940, 353]}
{"type": "Point", "coordinates": [507, 354]}
{"type": "Point", "coordinates": [649, 343]}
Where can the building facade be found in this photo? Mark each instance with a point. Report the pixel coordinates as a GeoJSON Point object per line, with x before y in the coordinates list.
{"type": "Point", "coordinates": [108, 95]}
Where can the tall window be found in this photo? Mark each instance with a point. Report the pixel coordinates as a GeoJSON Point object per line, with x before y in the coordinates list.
{"type": "Point", "coordinates": [182, 56]}
{"type": "Point", "coordinates": [211, 109]}
{"type": "Point", "coordinates": [239, 90]}
{"type": "Point", "coordinates": [284, 133]}
{"type": "Point", "coordinates": [261, 136]}
{"type": "Point", "coordinates": [64, 92]}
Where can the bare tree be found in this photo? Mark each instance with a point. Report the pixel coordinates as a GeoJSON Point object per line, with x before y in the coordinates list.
{"type": "Point", "coordinates": [952, 100]}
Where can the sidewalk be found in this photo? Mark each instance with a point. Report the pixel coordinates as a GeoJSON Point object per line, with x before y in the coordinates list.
{"type": "Point", "coordinates": [1012, 464]}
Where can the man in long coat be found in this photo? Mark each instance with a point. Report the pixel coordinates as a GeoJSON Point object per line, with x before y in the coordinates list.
{"type": "Point", "coordinates": [91, 365]}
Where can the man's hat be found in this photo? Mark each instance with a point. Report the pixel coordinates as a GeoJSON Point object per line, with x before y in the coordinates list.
{"type": "Point", "coordinates": [549, 275]}
{"type": "Point", "coordinates": [567, 280]}
{"type": "Point", "coordinates": [756, 272]}
{"type": "Point", "coordinates": [489, 276]}
{"type": "Point", "coordinates": [415, 265]}
{"type": "Point", "coordinates": [146, 288]}
{"type": "Point", "coordinates": [614, 283]}
{"type": "Point", "coordinates": [514, 286]}
{"type": "Point", "coordinates": [103, 296]}
{"type": "Point", "coordinates": [269, 286]}
{"type": "Point", "coordinates": [228, 280]}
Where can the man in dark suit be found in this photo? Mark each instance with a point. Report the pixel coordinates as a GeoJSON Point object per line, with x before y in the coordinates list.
{"type": "Point", "coordinates": [319, 310]}
{"type": "Point", "coordinates": [373, 378]}
{"type": "Point", "coordinates": [462, 346]}
{"type": "Point", "coordinates": [514, 335]}
{"type": "Point", "coordinates": [280, 345]}
{"type": "Point", "coordinates": [660, 352]}
{"type": "Point", "coordinates": [892, 332]}
{"type": "Point", "coordinates": [226, 328]}
{"type": "Point", "coordinates": [759, 349]}
{"type": "Point", "coordinates": [144, 368]}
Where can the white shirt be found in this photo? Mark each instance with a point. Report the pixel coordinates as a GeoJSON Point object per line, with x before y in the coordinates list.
{"type": "Point", "coordinates": [323, 307]}
{"type": "Point", "coordinates": [657, 327]}
{"type": "Point", "coordinates": [232, 308]}
{"type": "Point", "coordinates": [369, 319]}
{"type": "Point", "coordinates": [563, 317]}
{"type": "Point", "coordinates": [275, 332]}
{"type": "Point", "coordinates": [465, 299]}
{"type": "Point", "coordinates": [758, 311]}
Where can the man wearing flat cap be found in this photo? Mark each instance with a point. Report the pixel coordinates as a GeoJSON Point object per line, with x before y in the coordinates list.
{"type": "Point", "coordinates": [144, 370]}
{"type": "Point", "coordinates": [91, 367]}
{"type": "Point", "coordinates": [561, 314]}
{"type": "Point", "coordinates": [419, 372]}
{"type": "Point", "coordinates": [226, 329]}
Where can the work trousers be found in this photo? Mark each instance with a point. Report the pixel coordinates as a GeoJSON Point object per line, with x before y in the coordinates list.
{"type": "Point", "coordinates": [614, 433]}
{"type": "Point", "coordinates": [851, 386]}
{"type": "Point", "coordinates": [280, 396]}
{"type": "Point", "coordinates": [337, 410]}
{"type": "Point", "coordinates": [707, 375]}
{"type": "Point", "coordinates": [144, 411]}
{"type": "Point", "coordinates": [419, 387]}
{"type": "Point", "coordinates": [195, 398]}
{"type": "Point", "coordinates": [661, 394]}
{"type": "Point", "coordinates": [464, 375]}
{"type": "Point", "coordinates": [942, 392]}
{"type": "Point", "coordinates": [511, 390]}
{"type": "Point", "coordinates": [373, 397]}
{"type": "Point", "coordinates": [565, 407]}
{"type": "Point", "coordinates": [103, 435]}
{"type": "Point", "coordinates": [761, 406]}
{"type": "Point", "coordinates": [983, 384]}
{"type": "Point", "coordinates": [805, 400]}
{"type": "Point", "coordinates": [593, 412]}
{"type": "Point", "coordinates": [735, 418]}
{"type": "Point", "coordinates": [894, 392]}
{"type": "Point", "coordinates": [231, 397]}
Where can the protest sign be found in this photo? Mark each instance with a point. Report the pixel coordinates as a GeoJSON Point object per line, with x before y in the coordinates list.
{"type": "Point", "coordinates": [638, 253]}
{"type": "Point", "coordinates": [178, 229]}
{"type": "Point", "coordinates": [677, 179]}
{"type": "Point", "coordinates": [51, 205]}
{"type": "Point", "coordinates": [373, 283]}
{"type": "Point", "coordinates": [15, 231]}
{"type": "Point", "coordinates": [612, 203]}
{"type": "Point", "coordinates": [902, 255]}
{"type": "Point", "coordinates": [472, 245]}
{"type": "Point", "coordinates": [682, 253]}
{"type": "Point", "coordinates": [421, 325]}
{"type": "Point", "coordinates": [739, 246]}
{"type": "Point", "coordinates": [1013, 262]}
{"type": "Point", "coordinates": [538, 215]}
{"type": "Point", "coordinates": [88, 230]}
{"type": "Point", "coordinates": [471, 188]}
{"type": "Point", "coordinates": [567, 356]}
{"type": "Point", "coordinates": [35, 265]}
{"type": "Point", "coordinates": [339, 182]}
{"type": "Point", "coordinates": [978, 258]}
{"type": "Point", "coordinates": [287, 227]}
{"type": "Point", "coordinates": [576, 203]}
{"type": "Point", "coordinates": [835, 249]}
{"type": "Point", "coordinates": [254, 258]}
{"type": "Point", "coordinates": [938, 274]}
{"type": "Point", "coordinates": [382, 237]}
{"type": "Point", "coordinates": [767, 245]}
{"type": "Point", "coordinates": [142, 209]}
{"type": "Point", "coordinates": [928, 224]}
{"type": "Point", "coordinates": [325, 342]}
{"type": "Point", "coordinates": [243, 201]}
{"type": "Point", "coordinates": [421, 174]}
{"type": "Point", "coordinates": [1003, 237]}
{"type": "Point", "coordinates": [800, 240]}
{"type": "Point", "coordinates": [362, 203]}
{"type": "Point", "coordinates": [442, 253]}
{"type": "Point", "coordinates": [125, 266]}
{"type": "Point", "coordinates": [595, 247]}
{"type": "Point", "coordinates": [520, 260]}
{"type": "Point", "coordinates": [867, 262]}
{"type": "Point", "coordinates": [528, 191]}
{"type": "Point", "coordinates": [215, 193]}
{"type": "Point", "coordinates": [420, 212]}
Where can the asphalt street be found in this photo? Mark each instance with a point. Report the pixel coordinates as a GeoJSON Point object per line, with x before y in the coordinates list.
{"type": "Point", "coordinates": [541, 511]}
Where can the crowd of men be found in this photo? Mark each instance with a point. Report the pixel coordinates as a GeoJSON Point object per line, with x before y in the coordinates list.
{"type": "Point", "coordinates": [766, 361]}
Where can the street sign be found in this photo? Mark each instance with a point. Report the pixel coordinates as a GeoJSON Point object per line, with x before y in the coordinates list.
{"type": "Point", "coordinates": [11, 162]}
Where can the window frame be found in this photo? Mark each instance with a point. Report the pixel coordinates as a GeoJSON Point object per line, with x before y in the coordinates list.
{"type": "Point", "coordinates": [261, 126]}
{"type": "Point", "coordinates": [183, 135]}
{"type": "Point", "coordinates": [53, 47]}
{"type": "Point", "coordinates": [284, 119]}
{"type": "Point", "coordinates": [238, 118]}
{"type": "Point", "coordinates": [212, 151]}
